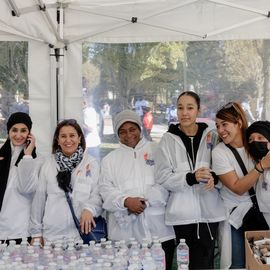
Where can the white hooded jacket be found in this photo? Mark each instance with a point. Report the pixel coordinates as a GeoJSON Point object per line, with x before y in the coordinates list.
{"type": "Point", "coordinates": [21, 186]}
{"type": "Point", "coordinates": [50, 213]}
{"type": "Point", "coordinates": [187, 204]}
{"type": "Point", "coordinates": [128, 172]}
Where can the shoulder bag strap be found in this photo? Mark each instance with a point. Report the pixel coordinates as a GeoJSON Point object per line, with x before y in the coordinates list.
{"type": "Point", "coordinates": [244, 170]}
{"type": "Point", "coordinates": [76, 221]}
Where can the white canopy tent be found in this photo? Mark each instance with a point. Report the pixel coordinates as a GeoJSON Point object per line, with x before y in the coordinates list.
{"type": "Point", "coordinates": [57, 28]}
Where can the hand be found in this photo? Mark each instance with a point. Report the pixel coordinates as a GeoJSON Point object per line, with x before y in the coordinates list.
{"type": "Point", "coordinates": [210, 184]}
{"type": "Point", "coordinates": [30, 144]}
{"type": "Point", "coordinates": [135, 205]}
{"type": "Point", "coordinates": [203, 175]}
{"type": "Point", "coordinates": [265, 162]}
{"type": "Point", "coordinates": [40, 239]}
{"type": "Point", "coordinates": [87, 221]}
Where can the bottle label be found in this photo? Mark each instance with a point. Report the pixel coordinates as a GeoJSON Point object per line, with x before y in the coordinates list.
{"type": "Point", "coordinates": [183, 256]}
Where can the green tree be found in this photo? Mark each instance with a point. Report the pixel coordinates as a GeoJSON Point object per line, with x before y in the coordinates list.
{"type": "Point", "coordinates": [13, 73]}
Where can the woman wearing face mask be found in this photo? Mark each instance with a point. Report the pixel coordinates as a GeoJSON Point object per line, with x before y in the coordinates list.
{"type": "Point", "coordinates": [258, 138]}
{"type": "Point", "coordinates": [231, 124]}
{"type": "Point", "coordinates": [69, 169]}
{"type": "Point", "coordinates": [183, 166]}
{"type": "Point", "coordinates": [18, 178]}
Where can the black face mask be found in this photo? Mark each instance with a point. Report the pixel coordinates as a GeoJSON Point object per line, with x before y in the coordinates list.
{"type": "Point", "coordinates": [258, 149]}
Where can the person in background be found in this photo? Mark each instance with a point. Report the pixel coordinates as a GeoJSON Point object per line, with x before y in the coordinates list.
{"type": "Point", "coordinates": [69, 169]}
{"type": "Point", "coordinates": [91, 128]}
{"type": "Point", "coordinates": [19, 168]}
{"type": "Point", "coordinates": [183, 164]}
{"type": "Point", "coordinates": [171, 114]}
{"type": "Point", "coordinates": [231, 123]}
{"type": "Point", "coordinates": [258, 145]}
{"type": "Point", "coordinates": [134, 203]}
{"type": "Point", "coordinates": [148, 121]}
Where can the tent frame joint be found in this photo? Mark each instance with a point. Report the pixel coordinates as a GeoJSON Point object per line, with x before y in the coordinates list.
{"type": "Point", "coordinates": [134, 19]}
{"type": "Point", "coordinates": [42, 8]}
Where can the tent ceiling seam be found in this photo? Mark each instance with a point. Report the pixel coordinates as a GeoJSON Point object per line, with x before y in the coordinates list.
{"type": "Point", "coordinates": [89, 11]}
{"type": "Point", "coordinates": [235, 26]}
{"type": "Point", "coordinates": [20, 33]}
{"type": "Point", "coordinates": [174, 30]}
{"type": "Point", "coordinates": [171, 8]}
{"type": "Point", "coordinates": [89, 35]}
{"type": "Point", "coordinates": [230, 4]}
{"type": "Point", "coordinates": [97, 14]}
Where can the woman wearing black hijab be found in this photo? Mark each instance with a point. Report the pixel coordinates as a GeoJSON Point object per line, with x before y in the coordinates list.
{"type": "Point", "coordinates": [18, 178]}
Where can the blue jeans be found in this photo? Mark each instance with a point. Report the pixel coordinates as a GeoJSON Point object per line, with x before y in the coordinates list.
{"type": "Point", "coordinates": [238, 248]}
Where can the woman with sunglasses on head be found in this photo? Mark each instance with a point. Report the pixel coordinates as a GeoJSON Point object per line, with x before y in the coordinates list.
{"type": "Point", "coordinates": [70, 169]}
{"type": "Point", "coordinates": [18, 178]}
{"type": "Point", "coordinates": [231, 124]}
{"type": "Point", "coordinates": [183, 166]}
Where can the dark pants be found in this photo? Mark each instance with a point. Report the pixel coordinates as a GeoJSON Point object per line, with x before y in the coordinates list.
{"type": "Point", "coordinates": [201, 246]}
{"type": "Point", "coordinates": [168, 247]}
{"type": "Point", "coordinates": [238, 248]}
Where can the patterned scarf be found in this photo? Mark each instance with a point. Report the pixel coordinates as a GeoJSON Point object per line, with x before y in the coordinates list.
{"type": "Point", "coordinates": [67, 165]}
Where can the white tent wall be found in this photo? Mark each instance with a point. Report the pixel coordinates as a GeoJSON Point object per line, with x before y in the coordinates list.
{"type": "Point", "coordinates": [73, 82]}
{"type": "Point", "coordinates": [39, 76]}
{"type": "Point", "coordinates": [42, 90]}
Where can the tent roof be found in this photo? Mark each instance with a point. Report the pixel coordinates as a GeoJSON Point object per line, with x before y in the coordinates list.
{"type": "Point", "coordinates": [116, 21]}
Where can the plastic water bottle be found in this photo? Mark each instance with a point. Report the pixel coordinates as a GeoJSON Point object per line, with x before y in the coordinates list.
{"type": "Point", "coordinates": [182, 255]}
{"type": "Point", "coordinates": [158, 255]}
{"type": "Point", "coordinates": [148, 262]}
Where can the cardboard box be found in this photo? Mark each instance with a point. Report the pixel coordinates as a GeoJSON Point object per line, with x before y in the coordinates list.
{"type": "Point", "coordinates": [251, 262]}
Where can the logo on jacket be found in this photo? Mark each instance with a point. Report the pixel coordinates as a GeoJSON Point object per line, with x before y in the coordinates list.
{"type": "Point", "coordinates": [88, 170]}
{"type": "Point", "coordinates": [148, 160]}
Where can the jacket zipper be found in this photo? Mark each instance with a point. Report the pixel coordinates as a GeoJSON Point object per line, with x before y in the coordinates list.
{"type": "Point", "coordinates": [192, 151]}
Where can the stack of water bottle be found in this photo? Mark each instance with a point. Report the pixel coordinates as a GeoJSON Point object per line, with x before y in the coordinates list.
{"type": "Point", "coordinates": [70, 255]}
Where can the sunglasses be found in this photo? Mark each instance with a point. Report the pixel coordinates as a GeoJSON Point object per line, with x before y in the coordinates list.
{"type": "Point", "coordinates": [228, 106]}
{"type": "Point", "coordinates": [68, 122]}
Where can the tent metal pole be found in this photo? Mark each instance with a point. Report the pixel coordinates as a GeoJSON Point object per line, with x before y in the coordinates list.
{"type": "Point", "coordinates": [53, 90]}
{"type": "Point", "coordinates": [49, 20]}
{"type": "Point", "coordinates": [60, 67]}
{"type": "Point", "coordinates": [14, 9]}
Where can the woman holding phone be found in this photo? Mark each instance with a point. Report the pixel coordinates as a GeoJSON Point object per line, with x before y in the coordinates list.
{"type": "Point", "coordinates": [18, 178]}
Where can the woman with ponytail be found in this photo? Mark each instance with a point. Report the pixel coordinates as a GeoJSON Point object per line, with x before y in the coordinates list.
{"type": "Point", "coordinates": [70, 170]}
{"type": "Point", "coordinates": [18, 178]}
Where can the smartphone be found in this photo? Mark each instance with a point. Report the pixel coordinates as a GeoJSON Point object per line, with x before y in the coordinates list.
{"type": "Point", "coordinates": [27, 143]}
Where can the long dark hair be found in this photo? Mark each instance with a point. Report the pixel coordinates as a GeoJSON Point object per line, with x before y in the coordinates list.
{"type": "Point", "coordinates": [67, 122]}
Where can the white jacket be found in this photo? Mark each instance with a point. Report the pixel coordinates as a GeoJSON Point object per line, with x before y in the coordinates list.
{"type": "Point", "coordinates": [128, 172]}
{"type": "Point", "coordinates": [21, 185]}
{"type": "Point", "coordinates": [263, 195]}
{"type": "Point", "coordinates": [187, 204]}
{"type": "Point", "coordinates": [50, 213]}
